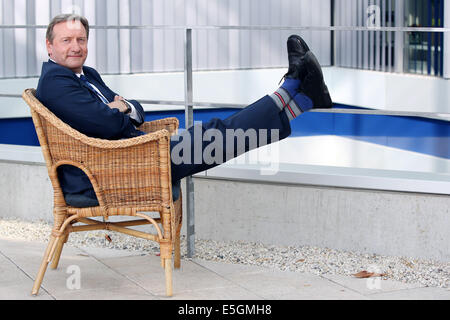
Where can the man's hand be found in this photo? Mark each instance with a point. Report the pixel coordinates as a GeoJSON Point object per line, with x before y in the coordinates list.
{"type": "Point", "coordinates": [118, 103]}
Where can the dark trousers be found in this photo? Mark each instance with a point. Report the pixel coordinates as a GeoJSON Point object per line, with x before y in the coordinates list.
{"type": "Point", "coordinates": [261, 116]}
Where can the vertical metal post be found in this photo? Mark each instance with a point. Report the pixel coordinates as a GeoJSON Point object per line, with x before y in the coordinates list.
{"type": "Point", "coordinates": [429, 24]}
{"type": "Point", "coordinates": [189, 120]}
{"type": "Point", "coordinates": [399, 36]}
{"type": "Point", "coordinates": [441, 38]}
{"type": "Point", "coordinates": [333, 40]}
{"type": "Point", "coordinates": [446, 46]}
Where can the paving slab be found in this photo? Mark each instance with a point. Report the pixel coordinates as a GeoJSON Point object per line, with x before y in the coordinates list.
{"type": "Point", "coordinates": [427, 293]}
{"type": "Point", "coordinates": [109, 274]}
{"type": "Point", "coordinates": [275, 284]}
{"type": "Point", "coordinates": [14, 283]}
{"type": "Point", "coordinates": [368, 286]}
{"type": "Point", "coordinates": [123, 292]}
{"type": "Point", "coordinates": [147, 271]}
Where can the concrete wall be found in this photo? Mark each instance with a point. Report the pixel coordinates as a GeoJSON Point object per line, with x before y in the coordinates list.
{"type": "Point", "coordinates": [382, 222]}
{"type": "Point", "coordinates": [26, 192]}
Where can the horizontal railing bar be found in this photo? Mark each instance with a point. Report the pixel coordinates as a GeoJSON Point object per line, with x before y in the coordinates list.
{"type": "Point", "coordinates": [197, 104]}
{"type": "Point", "coordinates": [432, 115]}
{"type": "Point", "coordinates": [7, 95]}
{"type": "Point", "coordinates": [274, 28]}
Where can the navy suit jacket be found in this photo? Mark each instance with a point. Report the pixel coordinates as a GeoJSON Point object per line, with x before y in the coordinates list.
{"type": "Point", "coordinates": [72, 101]}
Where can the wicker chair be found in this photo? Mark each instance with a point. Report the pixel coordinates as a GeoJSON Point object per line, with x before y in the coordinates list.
{"type": "Point", "coordinates": [129, 177]}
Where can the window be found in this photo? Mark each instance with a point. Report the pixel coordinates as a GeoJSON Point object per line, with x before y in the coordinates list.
{"type": "Point", "coordinates": [423, 50]}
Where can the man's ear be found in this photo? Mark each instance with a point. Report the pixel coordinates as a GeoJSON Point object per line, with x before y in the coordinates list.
{"type": "Point", "coordinates": [49, 47]}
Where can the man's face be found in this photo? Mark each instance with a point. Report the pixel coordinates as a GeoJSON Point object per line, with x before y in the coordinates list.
{"type": "Point", "coordinates": [69, 45]}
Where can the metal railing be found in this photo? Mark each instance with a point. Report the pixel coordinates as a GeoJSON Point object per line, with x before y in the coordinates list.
{"type": "Point", "coordinates": [231, 27]}
{"type": "Point", "coordinates": [366, 50]}
{"type": "Point", "coordinates": [189, 104]}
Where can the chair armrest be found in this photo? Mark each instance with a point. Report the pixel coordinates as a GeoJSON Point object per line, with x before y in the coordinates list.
{"type": "Point", "coordinates": [170, 124]}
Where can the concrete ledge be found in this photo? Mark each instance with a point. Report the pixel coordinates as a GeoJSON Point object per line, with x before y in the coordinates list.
{"type": "Point", "coordinates": [358, 178]}
{"type": "Point", "coordinates": [269, 170]}
{"type": "Point", "coordinates": [21, 154]}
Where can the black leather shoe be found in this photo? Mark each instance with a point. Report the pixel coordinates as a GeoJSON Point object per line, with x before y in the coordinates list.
{"type": "Point", "coordinates": [313, 84]}
{"type": "Point", "coordinates": [296, 48]}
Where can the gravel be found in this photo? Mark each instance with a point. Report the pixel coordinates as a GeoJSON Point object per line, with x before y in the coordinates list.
{"type": "Point", "coordinates": [319, 261]}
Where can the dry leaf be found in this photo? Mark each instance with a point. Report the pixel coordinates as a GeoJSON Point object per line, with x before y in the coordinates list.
{"type": "Point", "coordinates": [108, 238]}
{"type": "Point", "coordinates": [407, 263]}
{"type": "Point", "coordinates": [366, 274]}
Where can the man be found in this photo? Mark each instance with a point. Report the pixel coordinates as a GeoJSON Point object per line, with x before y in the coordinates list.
{"type": "Point", "coordinates": [78, 96]}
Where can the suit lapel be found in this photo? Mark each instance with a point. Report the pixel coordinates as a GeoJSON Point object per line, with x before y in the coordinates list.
{"type": "Point", "coordinates": [92, 90]}
{"type": "Point", "coordinates": [98, 85]}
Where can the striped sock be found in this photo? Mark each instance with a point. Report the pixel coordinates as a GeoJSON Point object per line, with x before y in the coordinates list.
{"type": "Point", "coordinates": [289, 100]}
{"type": "Point", "coordinates": [286, 92]}
{"type": "Point", "coordinates": [281, 98]}
{"type": "Point", "coordinates": [293, 107]}
{"type": "Point", "coordinates": [301, 103]}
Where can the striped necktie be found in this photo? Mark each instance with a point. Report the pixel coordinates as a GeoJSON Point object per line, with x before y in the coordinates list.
{"type": "Point", "coordinates": [85, 80]}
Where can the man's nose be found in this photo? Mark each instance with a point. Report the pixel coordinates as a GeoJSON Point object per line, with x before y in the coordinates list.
{"type": "Point", "coordinates": [75, 46]}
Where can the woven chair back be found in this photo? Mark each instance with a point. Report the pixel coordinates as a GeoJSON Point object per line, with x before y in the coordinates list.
{"type": "Point", "coordinates": [123, 173]}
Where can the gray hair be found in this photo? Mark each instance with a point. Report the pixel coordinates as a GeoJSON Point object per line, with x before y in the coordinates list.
{"type": "Point", "coordinates": [63, 18]}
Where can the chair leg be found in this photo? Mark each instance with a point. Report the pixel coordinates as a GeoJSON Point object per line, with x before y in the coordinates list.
{"type": "Point", "coordinates": [43, 267]}
{"type": "Point", "coordinates": [168, 270]}
{"type": "Point", "coordinates": [58, 251]}
{"type": "Point", "coordinates": [177, 254]}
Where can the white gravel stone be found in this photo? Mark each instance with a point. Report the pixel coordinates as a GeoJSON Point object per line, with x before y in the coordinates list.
{"type": "Point", "coordinates": [319, 261]}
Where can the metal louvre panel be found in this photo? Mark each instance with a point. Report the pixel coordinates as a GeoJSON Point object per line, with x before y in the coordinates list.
{"type": "Point", "coordinates": [128, 43]}
{"type": "Point", "coordinates": [9, 56]}
{"type": "Point", "coordinates": [161, 50]}
{"type": "Point", "coordinates": [2, 71]}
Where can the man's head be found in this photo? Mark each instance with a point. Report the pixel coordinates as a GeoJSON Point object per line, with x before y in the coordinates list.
{"type": "Point", "coordinates": [67, 40]}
